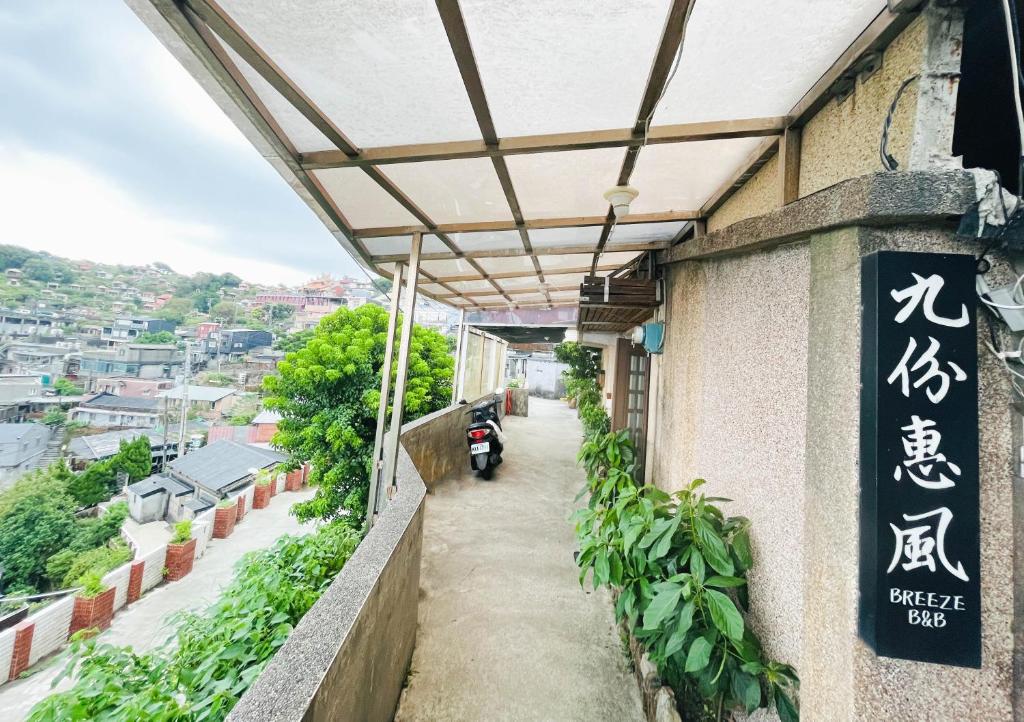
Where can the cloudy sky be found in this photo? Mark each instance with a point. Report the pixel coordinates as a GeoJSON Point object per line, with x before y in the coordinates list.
{"type": "Point", "coordinates": [110, 151]}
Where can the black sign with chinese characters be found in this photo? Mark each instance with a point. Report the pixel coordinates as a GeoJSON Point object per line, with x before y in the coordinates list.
{"type": "Point", "coordinates": [919, 527]}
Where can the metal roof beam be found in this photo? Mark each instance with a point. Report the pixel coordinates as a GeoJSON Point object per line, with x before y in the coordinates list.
{"type": "Point", "coordinates": [537, 223]}
{"type": "Point", "coordinates": [548, 143]}
{"type": "Point", "coordinates": [671, 38]}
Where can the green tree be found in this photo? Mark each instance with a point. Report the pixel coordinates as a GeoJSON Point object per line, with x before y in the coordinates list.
{"type": "Point", "coordinates": [54, 417]}
{"type": "Point", "coordinates": [134, 458]}
{"type": "Point", "coordinates": [225, 310]}
{"type": "Point", "coordinates": [158, 337]}
{"type": "Point", "coordinates": [328, 392]}
{"type": "Point", "coordinates": [177, 310]}
{"type": "Point", "coordinates": [66, 387]}
{"type": "Point", "coordinates": [14, 256]}
{"type": "Point", "coordinates": [94, 484]}
{"type": "Point", "coordinates": [38, 523]}
{"type": "Point", "coordinates": [293, 341]}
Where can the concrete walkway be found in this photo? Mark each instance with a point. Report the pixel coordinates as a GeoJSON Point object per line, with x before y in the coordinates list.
{"type": "Point", "coordinates": [144, 625]}
{"type": "Point", "coordinates": [506, 632]}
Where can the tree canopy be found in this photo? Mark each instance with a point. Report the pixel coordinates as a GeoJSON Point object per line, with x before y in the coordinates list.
{"type": "Point", "coordinates": [158, 337]}
{"type": "Point", "coordinates": [328, 392]}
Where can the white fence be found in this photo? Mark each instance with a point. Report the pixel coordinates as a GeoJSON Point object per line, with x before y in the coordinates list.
{"type": "Point", "coordinates": [202, 530]}
{"type": "Point", "coordinates": [6, 650]}
{"type": "Point", "coordinates": [119, 580]}
{"type": "Point", "coordinates": [52, 625]}
{"type": "Point", "coordinates": [153, 571]}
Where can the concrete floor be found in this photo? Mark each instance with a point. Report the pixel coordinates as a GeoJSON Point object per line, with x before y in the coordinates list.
{"type": "Point", "coordinates": [506, 632]}
{"type": "Point", "coordinates": [144, 625]}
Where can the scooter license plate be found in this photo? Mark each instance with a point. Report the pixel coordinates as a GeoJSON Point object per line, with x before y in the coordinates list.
{"type": "Point", "coordinates": [481, 448]}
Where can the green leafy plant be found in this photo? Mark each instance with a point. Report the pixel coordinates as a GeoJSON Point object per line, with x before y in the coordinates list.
{"type": "Point", "coordinates": [584, 361]}
{"type": "Point", "coordinates": [328, 392]}
{"type": "Point", "coordinates": [216, 654]}
{"type": "Point", "coordinates": [226, 503]}
{"type": "Point", "coordinates": [182, 532]}
{"type": "Point", "coordinates": [92, 585]}
{"type": "Point", "coordinates": [263, 477]}
{"type": "Point", "coordinates": [679, 566]}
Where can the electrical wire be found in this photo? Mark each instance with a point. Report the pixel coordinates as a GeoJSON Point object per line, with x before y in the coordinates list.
{"type": "Point", "coordinates": [888, 161]}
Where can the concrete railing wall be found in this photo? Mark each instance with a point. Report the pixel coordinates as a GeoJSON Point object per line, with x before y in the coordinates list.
{"type": "Point", "coordinates": [436, 443]}
{"type": "Point", "coordinates": [348, 658]}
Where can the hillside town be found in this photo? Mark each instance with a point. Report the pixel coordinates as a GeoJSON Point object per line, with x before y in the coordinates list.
{"type": "Point", "coordinates": [88, 351]}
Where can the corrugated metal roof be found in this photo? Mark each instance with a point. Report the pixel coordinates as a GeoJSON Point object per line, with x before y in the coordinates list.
{"type": "Point", "coordinates": [223, 463]}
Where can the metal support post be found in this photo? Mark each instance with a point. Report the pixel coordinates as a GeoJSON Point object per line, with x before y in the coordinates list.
{"type": "Point", "coordinates": [458, 356]}
{"type": "Point", "coordinates": [397, 406]}
{"type": "Point", "coordinates": [385, 389]}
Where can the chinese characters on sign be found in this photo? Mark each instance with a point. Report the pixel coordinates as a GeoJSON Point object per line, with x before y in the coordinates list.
{"type": "Point", "coordinates": [919, 566]}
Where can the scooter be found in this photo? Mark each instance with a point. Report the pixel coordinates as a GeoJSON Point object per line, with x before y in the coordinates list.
{"type": "Point", "coordinates": [485, 438]}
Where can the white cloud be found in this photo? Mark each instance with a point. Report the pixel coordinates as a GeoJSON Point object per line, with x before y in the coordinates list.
{"type": "Point", "coordinates": [180, 93]}
{"type": "Point", "coordinates": [56, 204]}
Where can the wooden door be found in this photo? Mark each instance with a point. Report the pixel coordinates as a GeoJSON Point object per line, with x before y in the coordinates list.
{"type": "Point", "coordinates": [629, 405]}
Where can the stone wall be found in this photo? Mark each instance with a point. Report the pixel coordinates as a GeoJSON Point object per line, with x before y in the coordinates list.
{"type": "Point", "coordinates": [759, 392]}
{"type": "Point", "coordinates": [348, 658]}
{"type": "Point", "coordinates": [732, 409]}
{"type": "Point", "coordinates": [841, 140]}
{"type": "Point", "coordinates": [437, 443]}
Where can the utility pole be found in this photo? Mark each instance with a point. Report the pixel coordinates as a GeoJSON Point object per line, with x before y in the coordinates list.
{"type": "Point", "coordinates": [184, 400]}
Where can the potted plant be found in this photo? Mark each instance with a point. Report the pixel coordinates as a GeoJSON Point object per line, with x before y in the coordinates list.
{"type": "Point", "coordinates": [94, 604]}
{"type": "Point", "coordinates": [181, 551]}
{"type": "Point", "coordinates": [224, 519]}
{"type": "Point", "coordinates": [261, 494]}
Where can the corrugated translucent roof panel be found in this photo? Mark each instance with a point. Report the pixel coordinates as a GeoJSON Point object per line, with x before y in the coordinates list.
{"type": "Point", "coordinates": [521, 282]}
{"type": "Point", "coordinates": [388, 82]}
{"type": "Point", "coordinates": [471, 286]}
{"type": "Point", "coordinates": [551, 66]}
{"type": "Point", "coordinates": [452, 191]}
{"type": "Point", "coordinates": [645, 232]}
{"type": "Point", "coordinates": [364, 203]}
{"type": "Point", "coordinates": [393, 245]}
{"type": "Point", "coordinates": [453, 267]}
{"type": "Point", "coordinates": [571, 183]}
{"type": "Point", "coordinates": [572, 236]}
{"type": "Point", "coordinates": [302, 134]}
{"type": "Point", "coordinates": [682, 176]}
{"type": "Point", "coordinates": [510, 264]}
{"type": "Point", "coordinates": [750, 58]}
{"type": "Point", "coordinates": [383, 72]}
{"type": "Point", "coordinates": [487, 240]}
{"type": "Point", "coordinates": [565, 279]}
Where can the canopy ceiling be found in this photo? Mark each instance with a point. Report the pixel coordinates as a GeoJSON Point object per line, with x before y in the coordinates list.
{"type": "Point", "coordinates": [494, 128]}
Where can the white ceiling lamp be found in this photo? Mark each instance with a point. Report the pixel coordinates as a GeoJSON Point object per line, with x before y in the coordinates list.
{"type": "Point", "coordinates": [620, 197]}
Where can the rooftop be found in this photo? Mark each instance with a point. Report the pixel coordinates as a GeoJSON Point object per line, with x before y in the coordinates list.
{"type": "Point", "coordinates": [199, 393]}
{"type": "Point", "coordinates": [111, 401]}
{"type": "Point", "coordinates": [14, 432]}
{"type": "Point", "coordinates": [266, 417]}
{"type": "Point", "coordinates": [100, 446]}
{"type": "Point", "coordinates": [222, 463]}
{"type": "Point", "coordinates": [159, 483]}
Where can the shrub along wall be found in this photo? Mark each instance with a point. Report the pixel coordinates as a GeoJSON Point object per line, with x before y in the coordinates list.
{"type": "Point", "coordinates": [678, 568]}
